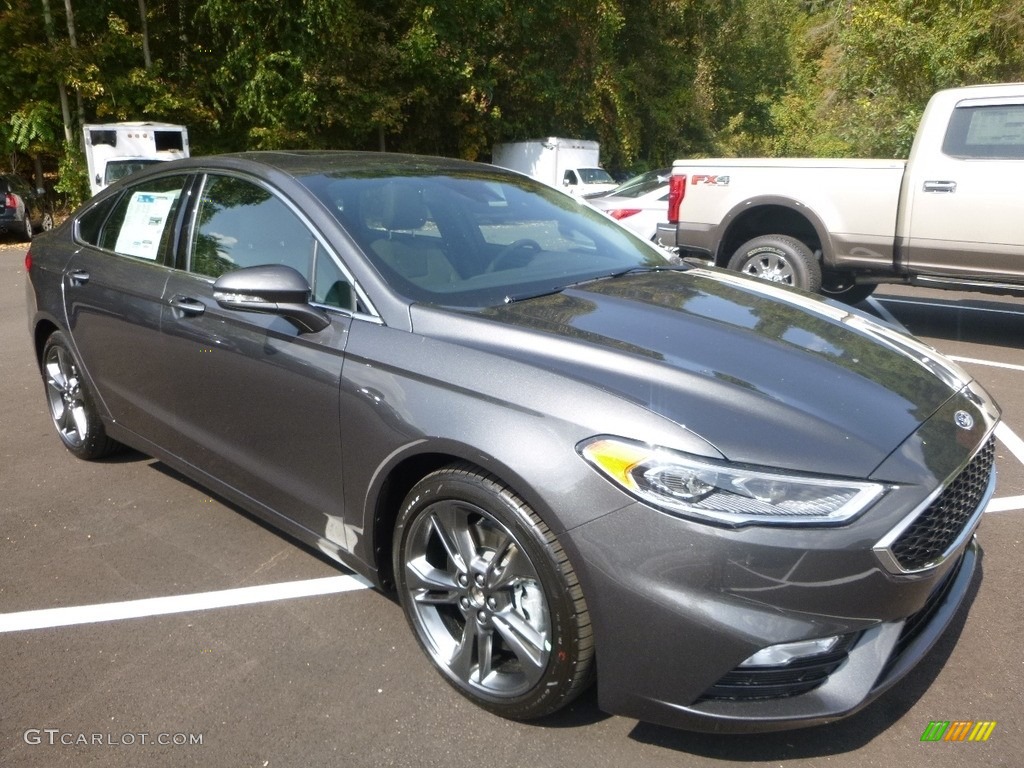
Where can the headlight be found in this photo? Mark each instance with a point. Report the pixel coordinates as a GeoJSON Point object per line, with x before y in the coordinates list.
{"type": "Point", "coordinates": [697, 487]}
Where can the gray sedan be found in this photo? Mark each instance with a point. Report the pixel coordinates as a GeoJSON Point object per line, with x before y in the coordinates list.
{"type": "Point", "coordinates": [737, 506]}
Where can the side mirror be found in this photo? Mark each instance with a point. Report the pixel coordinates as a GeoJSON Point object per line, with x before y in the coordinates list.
{"type": "Point", "coordinates": [272, 290]}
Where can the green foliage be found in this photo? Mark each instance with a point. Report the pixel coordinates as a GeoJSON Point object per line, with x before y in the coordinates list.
{"type": "Point", "coordinates": [73, 178]}
{"type": "Point", "coordinates": [651, 80]}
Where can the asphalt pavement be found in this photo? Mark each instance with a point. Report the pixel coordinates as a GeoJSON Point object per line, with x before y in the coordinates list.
{"type": "Point", "coordinates": [145, 623]}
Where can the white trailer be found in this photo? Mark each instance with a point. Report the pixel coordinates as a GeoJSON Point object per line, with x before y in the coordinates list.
{"type": "Point", "coordinates": [115, 150]}
{"type": "Point", "coordinates": [571, 164]}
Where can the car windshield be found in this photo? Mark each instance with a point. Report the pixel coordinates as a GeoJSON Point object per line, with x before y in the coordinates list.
{"type": "Point", "coordinates": [595, 176]}
{"type": "Point", "coordinates": [118, 169]}
{"type": "Point", "coordinates": [642, 184]}
{"type": "Point", "coordinates": [477, 239]}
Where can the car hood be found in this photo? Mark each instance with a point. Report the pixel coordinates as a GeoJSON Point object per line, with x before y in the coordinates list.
{"type": "Point", "coordinates": [766, 375]}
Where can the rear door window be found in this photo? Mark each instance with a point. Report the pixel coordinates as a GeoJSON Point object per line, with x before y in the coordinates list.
{"type": "Point", "coordinates": [139, 223]}
{"type": "Point", "coordinates": [986, 132]}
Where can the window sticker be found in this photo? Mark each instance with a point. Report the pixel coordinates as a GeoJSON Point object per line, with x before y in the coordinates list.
{"type": "Point", "coordinates": [144, 223]}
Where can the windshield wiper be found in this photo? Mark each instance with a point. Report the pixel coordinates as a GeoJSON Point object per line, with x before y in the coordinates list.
{"type": "Point", "coordinates": [510, 299]}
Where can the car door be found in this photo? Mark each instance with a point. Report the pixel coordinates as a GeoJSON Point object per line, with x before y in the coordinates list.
{"type": "Point", "coordinates": [251, 400]}
{"type": "Point", "coordinates": [966, 210]}
{"type": "Point", "coordinates": [113, 292]}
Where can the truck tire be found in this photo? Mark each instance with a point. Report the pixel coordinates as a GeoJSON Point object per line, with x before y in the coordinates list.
{"type": "Point", "coordinates": [779, 259]}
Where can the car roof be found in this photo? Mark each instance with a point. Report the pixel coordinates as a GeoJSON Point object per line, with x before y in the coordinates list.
{"type": "Point", "coordinates": [311, 162]}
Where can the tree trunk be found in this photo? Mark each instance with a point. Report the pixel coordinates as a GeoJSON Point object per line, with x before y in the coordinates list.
{"type": "Point", "coordinates": [74, 44]}
{"type": "Point", "coordinates": [145, 35]}
{"type": "Point", "coordinates": [65, 108]}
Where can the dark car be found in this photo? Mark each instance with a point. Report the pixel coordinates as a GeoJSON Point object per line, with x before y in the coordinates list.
{"type": "Point", "coordinates": [739, 506]}
{"type": "Point", "coordinates": [23, 210]}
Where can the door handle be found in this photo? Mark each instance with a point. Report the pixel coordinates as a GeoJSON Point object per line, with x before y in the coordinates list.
{"type": "Point", "coordinates": [78, 277]}
{"type": "Point", "coordinates": [940, 186]}
{"type": "Point", "coordinates": [187, 305]}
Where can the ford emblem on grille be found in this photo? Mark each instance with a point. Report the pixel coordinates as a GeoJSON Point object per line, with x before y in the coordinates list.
{"type": "Point", "coordinates": [963, 419]}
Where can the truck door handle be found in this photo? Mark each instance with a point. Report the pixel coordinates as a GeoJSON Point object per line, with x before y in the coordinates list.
{"type": "Point", "coordinates": [187, 305]}
{"type": "Point", "coordinates": [78, 277]}
{"type": "Point", "coordinates": [940, 186]}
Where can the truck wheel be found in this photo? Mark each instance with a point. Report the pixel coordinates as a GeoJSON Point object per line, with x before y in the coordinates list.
{"type": "Point", "coordinates": [779, 259]}
{"type": "Point", "coordinates": [840, 285]}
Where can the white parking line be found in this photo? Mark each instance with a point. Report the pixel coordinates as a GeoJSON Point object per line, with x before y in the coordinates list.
{"type": "Point", "coordinates": [886, 315]}
{"type": "Point", "coordinates": [1010, 439]}
{"type": "Point", "coordinates": [943, 305]}
{"type": "Point", "coordinates": [990, 363]}
{"type": "Point", "coordinates": [159, 606]}
{"type": "Point", "coordinates": [1008, 504]}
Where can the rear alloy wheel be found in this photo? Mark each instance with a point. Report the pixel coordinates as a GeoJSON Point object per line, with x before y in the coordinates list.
{"type": "Point", "coordinates": [491, 596]}
{"type": "Point", "coordinates": [71, 405]}
{"type": "Point", "coordinates": [779, 259]}
{"type": "Point", "coordinates": [26, 229]}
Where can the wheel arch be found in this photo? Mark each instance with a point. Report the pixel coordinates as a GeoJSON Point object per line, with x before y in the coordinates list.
{"type": "Point", "coordinates": [770, 215]}
{"type": "Point", "coordinates": [42, 331]}
{"type": "Point", "coordinates": [394, 482]}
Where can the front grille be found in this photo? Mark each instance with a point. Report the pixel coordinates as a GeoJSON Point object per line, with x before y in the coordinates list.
{"type": "Point", "coordinates": [935, 530]}
{"type": "Point", "coordinates": [801, 676]}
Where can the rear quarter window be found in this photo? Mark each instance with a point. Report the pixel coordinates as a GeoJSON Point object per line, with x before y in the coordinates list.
{"type": "Point", "coordinates": [986, 132]}
{"type": "Point", "coordinates": [136, 223]}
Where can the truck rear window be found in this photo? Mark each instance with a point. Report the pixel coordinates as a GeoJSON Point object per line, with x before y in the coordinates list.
{"type": "Point", "coordinates": [986, 132]}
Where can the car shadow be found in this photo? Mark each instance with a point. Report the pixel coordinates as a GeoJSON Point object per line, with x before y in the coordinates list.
{"type": "Point", "coordinates": [974, 321]}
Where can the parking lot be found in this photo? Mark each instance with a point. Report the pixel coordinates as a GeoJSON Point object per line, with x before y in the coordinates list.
{"type": "Point", "coordinates": [145, 623]}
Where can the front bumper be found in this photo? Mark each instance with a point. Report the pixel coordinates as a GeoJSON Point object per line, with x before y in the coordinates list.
{"type": "Point", "coordinates": [881, 657]}
{"type": "Point", "coordinates": [679, 606]}
{"type": "Point", "coordinates": [663, 646]}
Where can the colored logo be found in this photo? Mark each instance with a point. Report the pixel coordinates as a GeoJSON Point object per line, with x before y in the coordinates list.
{"type": "Point", "coordinates": [958, 730]}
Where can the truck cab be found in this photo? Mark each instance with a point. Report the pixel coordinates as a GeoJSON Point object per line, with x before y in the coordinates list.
{"type": "Point", "coordinates": [115, 150]}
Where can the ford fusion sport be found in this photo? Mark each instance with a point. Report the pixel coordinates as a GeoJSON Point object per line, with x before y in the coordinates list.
{"type": "Point", "coordinates": [736, 506]}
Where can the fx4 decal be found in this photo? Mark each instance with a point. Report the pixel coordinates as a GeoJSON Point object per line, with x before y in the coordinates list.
{"type": "Point", "coordinates": [710, 181]}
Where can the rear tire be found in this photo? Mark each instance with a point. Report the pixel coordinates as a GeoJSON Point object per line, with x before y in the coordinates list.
{"type": "Point", "coordinates": [839, 285]}
{"type": "Point", "coordinates": [72, 408]}
{"type": "Point", "coordinates": [779, 259]}
{"type": "Point", "coordinates": [26, 231]}
{"type": "Point", "coordinates": [491, 596]}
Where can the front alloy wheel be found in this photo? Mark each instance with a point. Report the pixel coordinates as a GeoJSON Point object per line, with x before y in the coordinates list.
{"type": "Point", "coordinates": [491, 596]}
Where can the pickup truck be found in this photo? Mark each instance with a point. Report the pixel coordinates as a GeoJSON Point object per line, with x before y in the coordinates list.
{"type": "Point", "coordinates": [951, 216]}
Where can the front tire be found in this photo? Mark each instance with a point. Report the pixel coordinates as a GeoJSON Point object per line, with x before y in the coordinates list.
{"type": "Point", "coordinates": [491, 596]}
{"type": "Point", "coordinates": [779, 259]}
{"type": "Point", "coordinates": [71, 405]}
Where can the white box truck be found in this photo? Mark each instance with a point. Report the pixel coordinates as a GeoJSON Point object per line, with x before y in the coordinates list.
{"type": "Point", "coordinates": [570, 164]}
{"type": "Point", "coordinates": [114, 150]}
